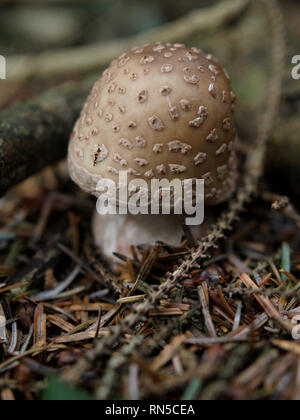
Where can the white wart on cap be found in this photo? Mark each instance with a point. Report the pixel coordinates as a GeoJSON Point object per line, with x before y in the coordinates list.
{"type": "Point", "coordinates": [160, 111]}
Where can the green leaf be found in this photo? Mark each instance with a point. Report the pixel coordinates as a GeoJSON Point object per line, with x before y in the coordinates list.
{"type": "Point", "coordinates": [285, 260]}
{"type": "Point", "coordinates": [61, 391]}
{"type": "Point", "coordinates": [192, 389]}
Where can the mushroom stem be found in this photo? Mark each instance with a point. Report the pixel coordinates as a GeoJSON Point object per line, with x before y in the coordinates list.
{"type": "Point", "coordinates": [118, 233]}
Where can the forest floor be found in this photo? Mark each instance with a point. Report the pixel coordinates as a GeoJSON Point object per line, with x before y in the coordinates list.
{"type": "Point", "coordinates": [223, 332]}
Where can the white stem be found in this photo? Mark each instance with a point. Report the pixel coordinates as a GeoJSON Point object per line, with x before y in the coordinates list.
{"type": "Point", "coordinates": [118, 233]}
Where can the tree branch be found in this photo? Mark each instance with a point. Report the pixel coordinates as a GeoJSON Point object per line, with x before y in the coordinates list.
{"type": "Point", "coordinates": [35, 134]}
{"type": "Point", "coordinates": [91, 57]}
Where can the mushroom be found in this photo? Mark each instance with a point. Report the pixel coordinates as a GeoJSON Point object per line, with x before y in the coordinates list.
{"type": "Point", "coordinates": [160, 111]}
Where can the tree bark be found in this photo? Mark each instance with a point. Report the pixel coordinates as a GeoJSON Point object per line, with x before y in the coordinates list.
{"type": "Point", "coordinates": [35, 134]}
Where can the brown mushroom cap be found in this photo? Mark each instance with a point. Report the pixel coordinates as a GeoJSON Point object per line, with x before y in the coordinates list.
{"type": "Point", "coordinates": [160, 111]}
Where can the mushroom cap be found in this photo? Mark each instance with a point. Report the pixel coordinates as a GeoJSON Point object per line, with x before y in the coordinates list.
{"type": "Point", "coordinates": [160, 111]}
